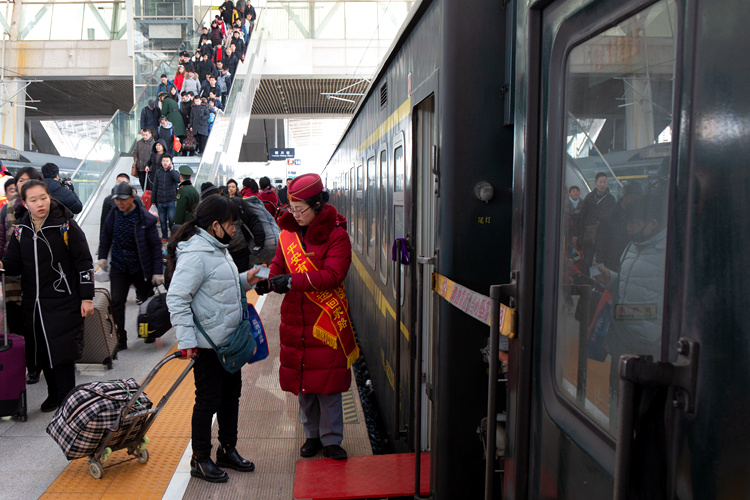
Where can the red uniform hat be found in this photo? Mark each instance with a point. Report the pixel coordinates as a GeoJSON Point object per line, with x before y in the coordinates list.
{"type": "Point", "coordinates": [305, 186]}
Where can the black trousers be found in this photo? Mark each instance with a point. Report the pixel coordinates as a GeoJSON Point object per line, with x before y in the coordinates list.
{"type": "Point", "coordinates": [216, 391]}
{"type": "Point", "coordinates": [142, 179]}
{"type": "Point", "coordinates": [200, 141]}
{"type": "Point", "coordinates": [119, 285]}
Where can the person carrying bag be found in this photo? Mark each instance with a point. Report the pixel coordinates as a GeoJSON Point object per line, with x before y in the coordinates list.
{"type": "Point", "coordinates": [206, 310]}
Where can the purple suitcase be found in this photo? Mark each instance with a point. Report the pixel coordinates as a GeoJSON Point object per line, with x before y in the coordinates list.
{"type": "Point", "coordinates": [12, 370]}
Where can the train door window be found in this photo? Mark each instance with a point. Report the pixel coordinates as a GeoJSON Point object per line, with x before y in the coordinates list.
{"type": "Point", "coordinates": [359, 216]}
{"type": "Point", "coordinates": [612, 246]}
{"type": "Point", "coordinates": [399, 172]}
{"type": "Point", "coordinates": [371, 200]}
{"type": "Point", "coordinates": [383, 216]}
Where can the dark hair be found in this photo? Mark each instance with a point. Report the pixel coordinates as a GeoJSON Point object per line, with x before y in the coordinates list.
{"type": "Point", "coordinates": [31, 184]}
{"type": "Point", "coordinates": [252, 185]}
{"type": "Point", "coordinates": [31, 173]}
{"type": "Point", "coordinates": [209, 210]}
{"type": "Point", "coordinates": [232, 181]}
{"type": "Point", "coordinates": [600, 174]}
{"type": "Point", "coordinates": [571, 188]}
{"type": "Point", "coordinates": [246, 182]}
{"type": "Point", "coordinates": [10, 182]}
{"type": "Point", "coordinates": [265, 182]}
{"type": "Point", "coordinates": [317, 201]}
{"type": "Point", "coordinates": [123, 174]}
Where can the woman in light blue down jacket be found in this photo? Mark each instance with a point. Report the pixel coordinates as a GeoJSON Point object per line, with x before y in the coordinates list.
{"type": "Point", "coordinates": [205, 282]}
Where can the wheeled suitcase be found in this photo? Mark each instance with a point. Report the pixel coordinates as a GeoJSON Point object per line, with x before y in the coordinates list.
{"type": "Point", "coordinates": [100, 332]}
{"type": "Point", "coordinates": [12, 370]}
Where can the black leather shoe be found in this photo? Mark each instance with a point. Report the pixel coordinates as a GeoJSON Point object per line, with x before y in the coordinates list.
{"type": "Point", "coordinates": [50, 405]}
{"type": "Point", "coordinates": [149, 340]}
{"type": "Point", "coordinates": [229, 457]}
{"type": "Point", "coordinates": [335, 452]}
{"type": "Point", "coordinates": [32, 378]}
{"type": "Point", "coordinates": [206, 469]}
{"type": "Point", "coordinates": [311, 447]}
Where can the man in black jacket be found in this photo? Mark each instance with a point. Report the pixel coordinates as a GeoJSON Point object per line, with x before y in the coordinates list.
{"type": "Point", "coordinates": [130, 233]}
{"type": "Point", "coordinates": [61, 192]}
{"type": "Point", "coordinates": [150, 116]}
{"type": "Point", "coordinates": [109, 201]}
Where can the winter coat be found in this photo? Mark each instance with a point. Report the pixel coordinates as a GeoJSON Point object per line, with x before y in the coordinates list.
{"type": "Point", "coordinates": [224, 82]}
{"type": "Point", "coordinates": [206, 67]}
{"type": "Point", "coordinates": [216, 35]}
{"type": "Point", "coordinates": [150, 118]}
{"type": "Point", "coordinates": [250, 232]}
{"type": "Point", "coordinates": [179, 79]}
{"type": "Point", "coordinates": [199, 119]}
{"type": "Point", "coordinates": [594, 210]}
{"type": "Point", "coordinates": [639, 282]}
{"type": "Point", "coordinates": [187, 199]}
{"type": "Point", "coordinates": [309, 365]}
{"type": "Point", "coordinates": [55, 277]}
{"type": "Point", "coordinates": [191, 85]}
{"type": "Point", "coordinates": [64, 195]}
{"type": "Point", "coordinates": [165, 183]}
{"type": "Point", "coordinates": [167, 134]}
{"type": "Point", "coordinates": [239, 46]}
{"type": "Point", "coordinates": [142, 153]}
{"type": "Point", "coordinates": [270, 229]}
{"type": "Point", "coordinates": [205, 282]}
{"type": "Point", "coordinates": [171, 110]}
{"type": "Point", "coordinates": [154, 161]}
{"type": "Point", "coordinates": [146, 237]}
{"type": "Point", "coordinates": [270, 200]}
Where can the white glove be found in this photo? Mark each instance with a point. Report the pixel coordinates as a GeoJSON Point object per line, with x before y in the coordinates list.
{"type": "Point", "coordinates": [103, 265]}
{"type": "Point", "coordinates": [157, 279]}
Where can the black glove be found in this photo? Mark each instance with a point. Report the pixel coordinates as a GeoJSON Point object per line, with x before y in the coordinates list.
{"type": "Point", "coordinates": [262, 287]}
{"type": "Point", "coordinates": [281, 283]}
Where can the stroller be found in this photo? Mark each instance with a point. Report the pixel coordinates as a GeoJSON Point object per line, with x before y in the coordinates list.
{"type": "Point", "coordinates": [101, 417]}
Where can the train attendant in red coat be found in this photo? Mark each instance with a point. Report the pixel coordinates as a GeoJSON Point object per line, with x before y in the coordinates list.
{"type": "Point", "coordinates": [317, 340]}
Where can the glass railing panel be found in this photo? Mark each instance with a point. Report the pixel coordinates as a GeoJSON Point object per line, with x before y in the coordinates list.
{"type": "Point", "coordinates": [82, 20]}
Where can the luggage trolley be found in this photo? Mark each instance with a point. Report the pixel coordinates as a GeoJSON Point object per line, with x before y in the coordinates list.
{"type": "Point", "coordinates": [137, 423]}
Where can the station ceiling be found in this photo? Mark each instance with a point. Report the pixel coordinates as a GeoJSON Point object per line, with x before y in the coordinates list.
{"type": "Point", "coordinates": [275, 97]}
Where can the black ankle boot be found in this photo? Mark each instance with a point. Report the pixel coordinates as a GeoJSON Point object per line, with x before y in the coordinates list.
{"type": "Point", "coordinates": [229, 457]}
{"type": "Point", "coordinates": [206, 469]}
{"type": "Point", "coordinates": [50, 404]}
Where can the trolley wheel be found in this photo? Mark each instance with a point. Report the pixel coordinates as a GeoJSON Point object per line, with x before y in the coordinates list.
{"type": "Point", "coordinates": [96, 469]}
{"type": "Point", "coordinates": [141, 455]}
{"type": "Point", "coordinates": [106, 454]}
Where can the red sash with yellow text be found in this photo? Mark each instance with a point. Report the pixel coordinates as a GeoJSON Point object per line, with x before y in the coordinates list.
{"type": "Point", "coordinates": [333, 326]}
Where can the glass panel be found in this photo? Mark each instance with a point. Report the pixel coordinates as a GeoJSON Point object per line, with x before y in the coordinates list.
{"type": "Point", "coordinates": [372, 199]}
{"type": "Point", "coordinates": [398, 232]}
{"type": "Point", "coordinates": [383, 216]}
{"type": "Point", "coordinates": [398, 166]}
{"type": "Point", "coordinates": [618, 111]}
{"type": "Point", "coordinates": [353, 196]}
{"type": "Point", "coordinates": [329, 20]}
{"type": "Point", "coordinates": [390, 17]}
{"type": "Point", "coordinates": [92, 24]}
{"type": "Point", "coordinates": [360, 179]}
{"type": "Point", "coordinates": [359, 20]}
{"type": "Point", "coordinates": [35, 22]}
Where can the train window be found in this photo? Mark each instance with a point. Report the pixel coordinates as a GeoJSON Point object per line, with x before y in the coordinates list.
{"type": "Point", "coordinates": [360, 215]}
{"type": "Point", "coordinates": [352, 198]}
{"type": "Point", "coordinates": [371, 200]}
{"type": "Point", "coordinates": [383, 216]}
{"type": "Point", "coordinates": [399, 171]}
{"type": "Point", "coordinates": [612, 250]}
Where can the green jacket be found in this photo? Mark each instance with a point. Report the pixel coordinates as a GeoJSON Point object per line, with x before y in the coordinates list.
{"type": "Point", "coordinates": [171, 110]}
{"type": "Point", "coordinates": [187, 200]}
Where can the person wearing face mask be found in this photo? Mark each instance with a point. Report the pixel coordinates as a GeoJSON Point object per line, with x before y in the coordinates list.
{"type": "Point", "coordinates": [317, 341]}
{"type": "Point", "coordinates": [204, 283]}
{"type": "Point", "coordinates": [638, 288]}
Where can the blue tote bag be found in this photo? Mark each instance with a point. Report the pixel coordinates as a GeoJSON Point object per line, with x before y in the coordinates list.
{"type": "Point", "coordinates": [259, 334]}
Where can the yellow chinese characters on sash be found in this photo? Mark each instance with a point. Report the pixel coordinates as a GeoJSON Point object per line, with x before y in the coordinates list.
{"type": "Point", "coordinates": [333, 326]}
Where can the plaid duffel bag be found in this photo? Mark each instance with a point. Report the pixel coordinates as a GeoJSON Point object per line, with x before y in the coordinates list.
{"type": "Point", "coordinates": [89, 411]}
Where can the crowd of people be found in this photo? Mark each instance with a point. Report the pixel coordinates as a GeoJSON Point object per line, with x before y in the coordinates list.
{"type": "Point", "coordinates": [186, 105]}
{"type": "Point", "coordinates": [219, 237]}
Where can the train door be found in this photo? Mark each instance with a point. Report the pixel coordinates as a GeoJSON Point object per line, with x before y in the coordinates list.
{"type": "Point", "coordinates": [424, 149]}
{"type": "Point", "coordinates": [594, 289]}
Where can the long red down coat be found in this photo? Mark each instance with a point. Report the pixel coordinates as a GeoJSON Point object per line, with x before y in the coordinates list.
{"type": "Point", "coordinates": [307, 364]}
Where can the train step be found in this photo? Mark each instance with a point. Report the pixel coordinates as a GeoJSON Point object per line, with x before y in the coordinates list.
{"type": "Point", "coordinates": [373, 476]}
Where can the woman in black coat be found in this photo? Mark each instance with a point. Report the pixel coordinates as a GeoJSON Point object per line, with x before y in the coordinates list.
{"type": "Point", "coordinates": [50, 253]}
